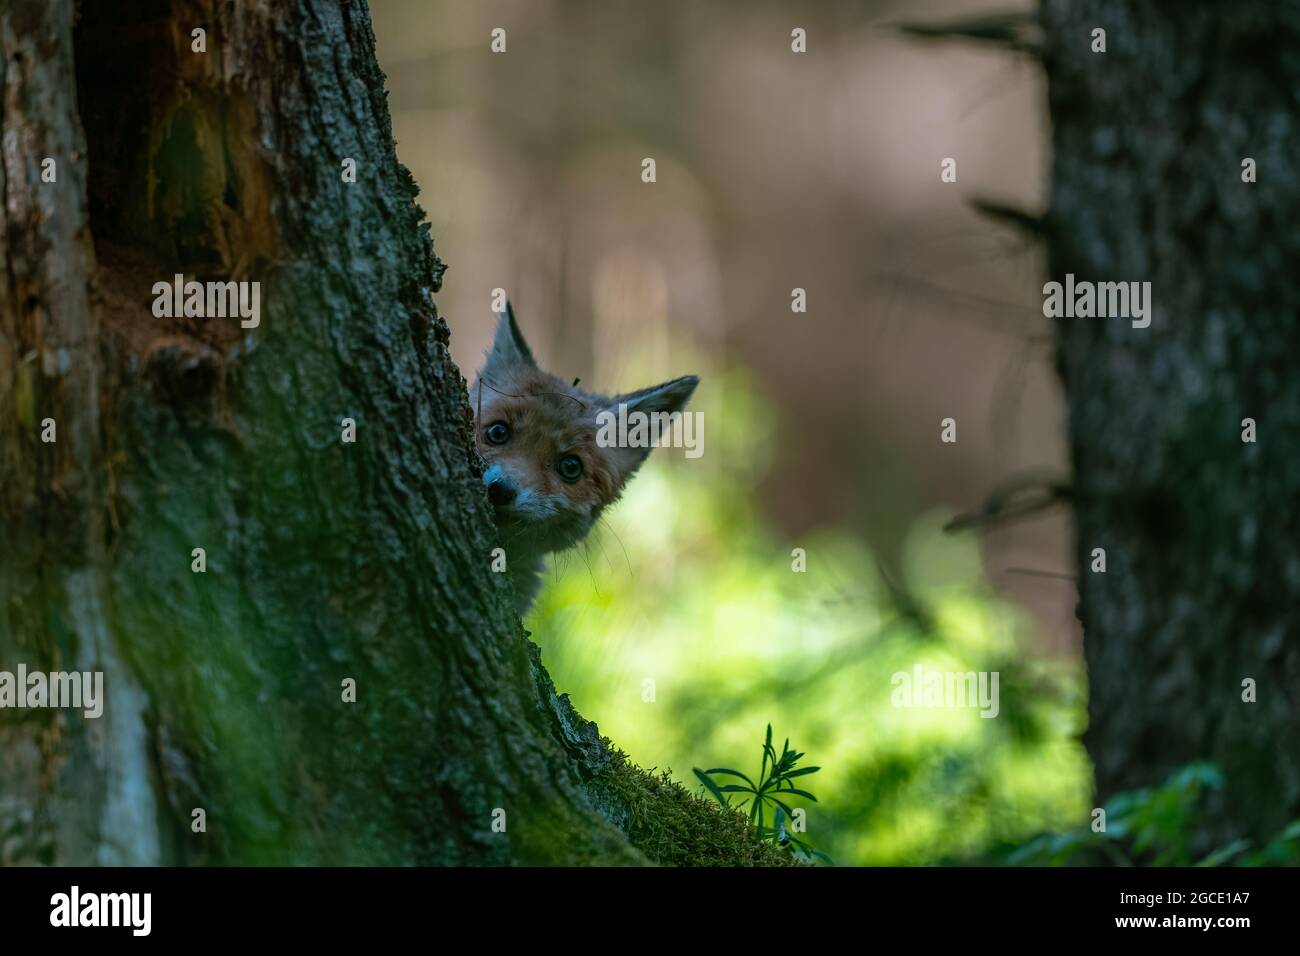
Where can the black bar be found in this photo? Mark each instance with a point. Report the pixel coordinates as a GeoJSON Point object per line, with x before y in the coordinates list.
{"type": "Point", "coordinates": [335, 905]}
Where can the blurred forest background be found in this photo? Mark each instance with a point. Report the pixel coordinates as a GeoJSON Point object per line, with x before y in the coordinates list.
{"type": "Point", "coordinates": [775, 171]}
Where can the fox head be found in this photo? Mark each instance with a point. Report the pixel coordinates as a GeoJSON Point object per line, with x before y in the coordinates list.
{"type": "Point", "coordinates": [547, 477]}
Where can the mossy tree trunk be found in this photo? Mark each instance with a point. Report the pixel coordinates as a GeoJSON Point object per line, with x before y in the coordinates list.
{"type": "Point", "coordinates": [1202, 581]}
{"type": "Point", "coordinates": [325, 560]}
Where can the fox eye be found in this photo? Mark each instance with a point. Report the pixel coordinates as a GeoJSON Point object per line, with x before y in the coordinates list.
{"type": "Point", "coordinates": [570, 468]}
{"type": "Point", "coordinates": [498, 433]}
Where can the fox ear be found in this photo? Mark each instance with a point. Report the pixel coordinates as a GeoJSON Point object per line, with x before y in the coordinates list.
{"type": "Point", "coordinates": [508, 347]}
{"type": "Point", "coordinates": [668, 397]}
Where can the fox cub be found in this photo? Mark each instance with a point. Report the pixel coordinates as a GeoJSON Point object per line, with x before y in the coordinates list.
{"type": "Point", "coordinates": [547, 478]}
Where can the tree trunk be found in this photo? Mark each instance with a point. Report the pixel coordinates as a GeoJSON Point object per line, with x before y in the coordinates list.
{"type": "Point", "coordinates": [1202, 580]}
{"type": "Point", "coordinates": [325, 560]}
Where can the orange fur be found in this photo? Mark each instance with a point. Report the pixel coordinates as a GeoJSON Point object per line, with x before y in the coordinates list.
{"type": "Point", "coordinates": [537, 510]}
{"type": "Point", "coordinates": [548, 420]}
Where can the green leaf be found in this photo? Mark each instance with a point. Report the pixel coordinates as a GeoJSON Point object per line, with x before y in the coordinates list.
{"type": "Point", "coordinates": [734, 773]}
{"type": "Point", "coordinates": [798, 793]}
{"type": "Point", "coordinates": [802, 771]}
{"type": "Point", "coordinates": [782, 806]}
{"type": "Point", "coordinates": [711, 787]}
{"type": "Point", "coordinates": [768, 751]}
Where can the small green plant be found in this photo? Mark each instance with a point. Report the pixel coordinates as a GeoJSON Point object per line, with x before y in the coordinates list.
{"type": "Point", "coordinates": [773, 789]}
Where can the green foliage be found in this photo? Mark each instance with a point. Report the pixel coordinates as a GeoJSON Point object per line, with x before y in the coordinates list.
{"type": "Point", "coordinates": [1154, 826]}
{"type": "Point", "coordinates": [1282, 850]}
{"type": "Point", "coordinates": [775, 786]}
{"type": "Point", "coordinates": [687, 584]}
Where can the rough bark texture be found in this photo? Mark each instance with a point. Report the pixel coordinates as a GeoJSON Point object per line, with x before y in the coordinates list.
{"type": "Point", "coordinates": [1202, 587]}
{"type": "Point", "coordinates": [325, 560]}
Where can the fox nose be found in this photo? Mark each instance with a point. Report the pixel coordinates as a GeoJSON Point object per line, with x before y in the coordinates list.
{"type": "Point", "coordinates": [500, 493]}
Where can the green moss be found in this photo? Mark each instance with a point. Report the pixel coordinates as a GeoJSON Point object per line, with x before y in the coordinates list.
{"type": "Point", "coordinates": [672, 826]}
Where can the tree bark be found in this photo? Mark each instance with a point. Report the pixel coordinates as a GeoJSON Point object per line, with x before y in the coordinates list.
{"type": "Point", "coordinates": [326, 560]}
{"type": "Point", "coordinates": [1202, 582]}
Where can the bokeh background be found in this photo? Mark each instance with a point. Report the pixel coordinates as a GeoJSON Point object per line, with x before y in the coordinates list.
{"type": "Point", "coordinates": [777, 171]}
